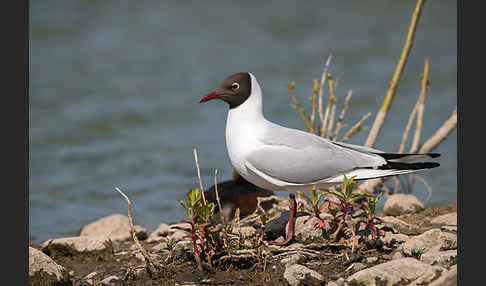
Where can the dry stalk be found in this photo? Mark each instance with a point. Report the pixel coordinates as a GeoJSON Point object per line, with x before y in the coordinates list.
{"type": "Point", "coordinates": [401, 147]}
{"type": "Point", "coordinates": [356, 128]}
{"type": "Point", "coordinates": [297, 106]}
{"type": "Point", "coordinates": [315, 89]}
{"type": "Point", "coordinates": [421, 108]}
{"type": "Point", "coordinates": [236, 223]}
{"type": "Point", "coordinates": [429, 189]}
{"type": "Point", "coordinates": [199, 176]}
{"type": "Point", "coordinates": [386, 104]}
{"type": "Point", "coordinates": [331, 120]}
{"type": "Point", "coordinates": [339, 124]}
{"type": "Point", "coordinates": [322, 132]}
{"type": "Point", "coordinates": [152, 265]}
{"type": "Point", "coordinates": [418, 110]}
{"type": "Point", "coordinates": [321, 89]}
{"type": "Point", "coordinates": [440, 134]}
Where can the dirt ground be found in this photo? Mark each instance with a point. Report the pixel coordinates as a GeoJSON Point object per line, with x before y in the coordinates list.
{"type": "Point", "coordinates": [332, 262]}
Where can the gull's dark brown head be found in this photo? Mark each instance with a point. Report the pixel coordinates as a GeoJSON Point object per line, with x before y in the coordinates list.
{"type": "Point", "coordinates": [235, 90]}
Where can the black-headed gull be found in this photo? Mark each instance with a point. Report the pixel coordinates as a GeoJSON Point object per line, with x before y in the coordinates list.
{"type": "Point", "coordinates": [278, 158]}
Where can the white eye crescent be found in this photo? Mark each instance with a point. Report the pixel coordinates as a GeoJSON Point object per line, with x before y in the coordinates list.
{"type": "Point", "coordinates": [235, 86]}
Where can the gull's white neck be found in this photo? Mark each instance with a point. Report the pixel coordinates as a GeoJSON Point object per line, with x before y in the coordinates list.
{"type": "Point", "coordinates": [245, 125]}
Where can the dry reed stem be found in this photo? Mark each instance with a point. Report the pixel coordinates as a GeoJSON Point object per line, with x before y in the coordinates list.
{"type": "Point", "coordinates": [401, 147]}
{"type": "Point", "coordinates": [345, 107]}
{"type": "Point", "coordinates": [297, 106]}
{"type": "Point", "coordinates": [386, 104]}
{"type": "Point", "coordinates": [331, 120]}
{"type": "Point", "coordinates": [314, 105]}
{"type": "Point", "coordinates": [321, 88]}
{"type": "Point", "coordinates": [323, 129]}
{"type": "Point", "coordinates": [356, 128]}
{"type": "Point", "coordinates": [333, 98]}
{"type": "Point", "coordinates": [199, 175]}
{"type": "Point", "coordinates": [429, 189]}
{"type": "Point", "coordinates": [440, 134]}
{"type": "Point", "coordinates": [151, 264]}
{"type": "Point", "coordinates": [421, 108]}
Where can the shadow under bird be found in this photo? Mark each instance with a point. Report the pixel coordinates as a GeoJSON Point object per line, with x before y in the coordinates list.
{"type": "Point", "coordinates": [274, 157]}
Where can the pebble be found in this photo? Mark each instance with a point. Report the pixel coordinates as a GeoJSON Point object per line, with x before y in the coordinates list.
{"type": "Point", "coordinates": [297, 274]}
{"type": "Point", "coordinates": [115, 226]}
{"type": "Point", "coordinates": [100, 247]}
{"type": "Point", "coordinates": [395, 271]}
{"type": "Point", "coordinates": [45, 271]}
{"type": "Point", "coordinates": [398, 204]}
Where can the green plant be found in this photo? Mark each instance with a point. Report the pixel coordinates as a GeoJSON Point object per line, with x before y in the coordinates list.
{"type": "Point", "coordinates": [346, 197]}
{"type": "Point", "coordinates": [314, 199]}
{"type": "Point", "coordinates": [201, 216]}
{"type": "Point", "coordinates": [171, 247]}
{"type": "Point", "coordinates": [369, 217]}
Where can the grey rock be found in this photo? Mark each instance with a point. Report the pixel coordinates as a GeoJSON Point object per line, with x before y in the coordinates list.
{"type": "Point", "coordinates": [442, 258]}
{"type": "Point", "coordinates": [371, 259]}
{"type": "Point", "coordinates": [391, 239]}
{"type": "Point", "coordinates": [339, 282]}
{"type": "Point", "coordinates": [98, 247]}
{"type": "Point", "coordinates": [296, 258]}
{"type": "Point", "coordinates": [357, 266]}
{"type": "Point", "coordinates": [397, 255]}
{"type": "Point", "coordinates": [115, 226]}
{"type": "Point", "coordinates": [108, 281]}
{"type": "Point", "coordinates": [399, 204]}
{"type": "Point", "coordinates": [179, 231]}
{"type": "Point", "coordinates": [305, 229]}
{"type": "Point", "coordinates": [448, 278]}
{"type": "Point", "coordinates": [160, 246]}
{"type": "Point", "coordinates": [433, 239]}
{"type": "Point", "coordinates": [160, 233]}
{"type": "Point", "coordinates": [90, 275]}
{"type": "Point", "coordinates": [297, 274]}
{"type": "Point", "coordinates": [393, 222]}
{"type": "Point", "coordinates": [394, 272]}
{"type": "Point", "coordinates": [449, 228]}
{"type": "Point", "coordinates": [45, 271]}
{"type": "Point", "coordinates": [446, 219]}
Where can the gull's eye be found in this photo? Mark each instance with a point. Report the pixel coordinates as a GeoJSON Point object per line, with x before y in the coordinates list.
{"type": "Point", "coordinates": [235, 86]}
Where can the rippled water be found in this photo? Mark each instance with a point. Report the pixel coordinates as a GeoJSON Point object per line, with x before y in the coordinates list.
{"type": "Point", "coordinates": [114, 89]}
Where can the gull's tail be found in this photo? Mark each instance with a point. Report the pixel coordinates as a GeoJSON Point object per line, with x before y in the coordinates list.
{"type": "Point", "coordinates": [397, 164]}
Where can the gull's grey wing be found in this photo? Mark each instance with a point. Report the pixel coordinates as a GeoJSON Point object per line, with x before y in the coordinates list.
{"type": "Point", "coordinates": [295, 156]}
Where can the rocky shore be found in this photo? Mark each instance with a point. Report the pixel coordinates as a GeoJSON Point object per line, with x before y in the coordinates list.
{"type": "Point", "coordinates": [417, 245]}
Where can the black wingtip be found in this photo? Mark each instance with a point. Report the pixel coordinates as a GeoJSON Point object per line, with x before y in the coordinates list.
{"type": "Point", "coordinates": [433, 155]}
{"type": "Point", "coordinates": [410, 166]}
{"type": "Point", "coordinates": [394, 156]}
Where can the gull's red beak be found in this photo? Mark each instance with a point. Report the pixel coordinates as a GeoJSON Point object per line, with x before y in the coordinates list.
{"type": "Point", "coordinates": [210, 96]}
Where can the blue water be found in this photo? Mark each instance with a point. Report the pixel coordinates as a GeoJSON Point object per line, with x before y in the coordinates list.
{"type": "Point", "coordinates": [114, 87]}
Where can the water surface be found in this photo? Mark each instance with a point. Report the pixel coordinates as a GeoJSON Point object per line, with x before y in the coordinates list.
{"type": "Point", "coordinates": [114, 89]}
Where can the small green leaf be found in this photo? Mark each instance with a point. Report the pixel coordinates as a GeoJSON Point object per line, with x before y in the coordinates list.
{"type": "Point", "coordinates": [185, 208]}
{"type": "Point", "coordinates": [193, 198]}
